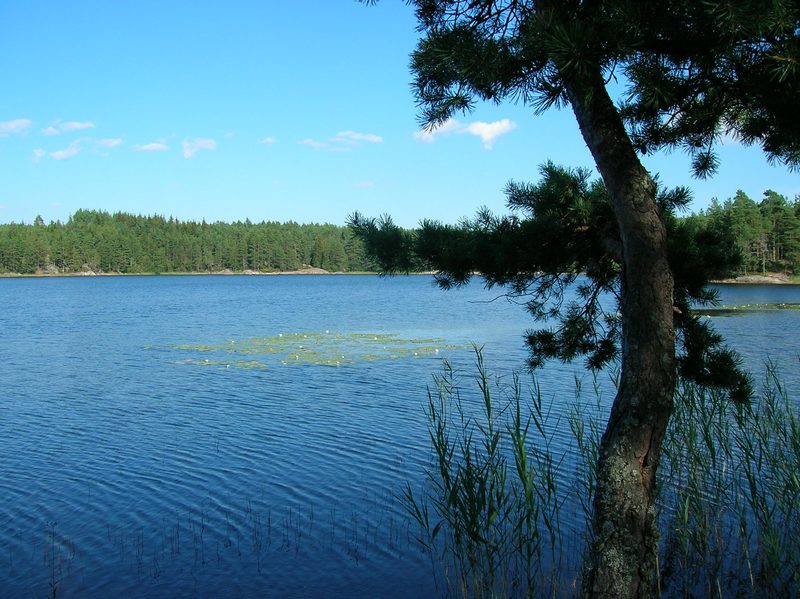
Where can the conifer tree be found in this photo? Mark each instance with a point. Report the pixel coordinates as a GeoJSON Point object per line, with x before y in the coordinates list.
{"type": "Point", "coordinates": [695, 71]}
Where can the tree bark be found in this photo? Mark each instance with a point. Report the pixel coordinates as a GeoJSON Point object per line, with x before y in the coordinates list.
{"type": "Point", "coordinates": [624, 561]}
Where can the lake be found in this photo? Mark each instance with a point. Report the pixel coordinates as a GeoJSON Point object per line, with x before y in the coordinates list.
{"type": "Point", "coordinates": [235, 436]}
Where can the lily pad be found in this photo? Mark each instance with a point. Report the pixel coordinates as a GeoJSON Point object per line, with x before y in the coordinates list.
{"type": "Point", "coordinates": [745, 309]}
{"type": "Point", "coordinates": [316, 348]}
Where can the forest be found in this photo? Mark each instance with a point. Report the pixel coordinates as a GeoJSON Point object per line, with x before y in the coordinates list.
{"type": "Point", "coordinates": [766, 233]}
{"type": "Point", "coordinates": [124, 243]}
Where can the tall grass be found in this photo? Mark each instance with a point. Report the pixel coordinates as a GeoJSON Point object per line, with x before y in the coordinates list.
{"type": "Point", "coordinates": [491, 514]}
{"type": "Point", "coordinates": [730, 494]}
{"type": "Point", "coordinates": [506, 508]}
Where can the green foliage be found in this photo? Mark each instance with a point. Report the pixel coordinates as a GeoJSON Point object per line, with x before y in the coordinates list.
{"type": "Point", "coordinates": [695, 71]}
{"type": "Point", "coordinates": [125, 243]}
{"type": "Point", "coordinates": [767, 234]}
{"type": "Point", "coordinates": [390, 245]}
{"type": "Point", "coordinates": [560, 236]}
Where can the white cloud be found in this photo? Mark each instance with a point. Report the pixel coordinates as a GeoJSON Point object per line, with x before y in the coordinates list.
{"type": "Point", "coordinates": [71, 150]}
{"type": "Point", "coordinates": [76, 126]}
{"type": "Point", "coordinates": [488, 132]}
{"type": "Point", "coordinates": [364, 185]}
{"type": "Point", "coordinates": [312, 143]}
{"type": "Point", "coordinates": [109, 143]}
{"type": "Point", "coordinates": [57, 128]}
{"type": "Point", "coordinates": [342, 141]}
{"type": "Point", "coordinates": [353, 137]}
{"type": "Point", "coordinates": [193, 146]}
{"type": "Point", "coordinates": [429, 136]}
{"type": "Point", "coordinates": [267, 141]}
{"type": "Point", "coordinates": [38, 154]}
{"type": "Point", "coordinates": [156, 146]}
{"type": "Point", "coordinates": [15, 126]}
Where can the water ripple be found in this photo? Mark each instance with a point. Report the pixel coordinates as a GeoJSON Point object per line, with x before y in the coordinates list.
{"type": "Point", "coordinates": [131, 474]}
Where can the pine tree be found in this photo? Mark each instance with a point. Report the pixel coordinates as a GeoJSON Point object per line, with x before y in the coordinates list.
{"type": "Point", "coordinates": [695, 71]}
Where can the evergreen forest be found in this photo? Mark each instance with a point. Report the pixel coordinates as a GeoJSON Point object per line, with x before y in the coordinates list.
{"type": "Point", "coordinates": [766, 233]}
{"type": "Point", "coordinates": [124, 243]}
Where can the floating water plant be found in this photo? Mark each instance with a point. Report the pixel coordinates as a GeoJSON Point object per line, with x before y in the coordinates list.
{"type": "Point", "coordinates": [321, 349]}
{"type": "Point", "coordinates": [746, 308]}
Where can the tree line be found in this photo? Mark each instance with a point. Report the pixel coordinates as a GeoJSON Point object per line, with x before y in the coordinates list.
{"type": "Point", "coordinates": [126, 243]}
{"type": "Point", "coordinates": [766, 234]}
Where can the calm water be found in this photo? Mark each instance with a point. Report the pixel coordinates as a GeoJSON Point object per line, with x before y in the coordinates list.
{"type": "Point", "coordinates": [194, 436]}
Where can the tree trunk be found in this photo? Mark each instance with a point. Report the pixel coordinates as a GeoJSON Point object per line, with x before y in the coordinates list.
{"type": "Point", "coordinates": [624, 560]}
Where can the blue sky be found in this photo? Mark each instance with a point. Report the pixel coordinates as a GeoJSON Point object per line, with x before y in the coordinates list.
{"type": "Point", "coordinates": [267, 110]}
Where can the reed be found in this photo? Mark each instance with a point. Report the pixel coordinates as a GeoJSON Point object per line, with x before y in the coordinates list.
{"type": "Point", "coordinates": [490, 516]}
{"type": "Point", "coordinates": [731, 495]}
{"type": "Point", "coordinates": [501, 516]}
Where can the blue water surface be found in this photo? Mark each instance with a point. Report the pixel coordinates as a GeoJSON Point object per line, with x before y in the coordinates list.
{"type": "Point", "coordinates": [136, 464]}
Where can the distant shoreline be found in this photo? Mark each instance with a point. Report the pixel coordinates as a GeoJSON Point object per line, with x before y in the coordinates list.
{"type": "Point", "coordinates": [767, 279]}
{"type": "Point", "coordinates": [257, 273]}
{"type": "Point", "coordinates": [91, 273]}
{"type": "Point", "coordinates": [772, 278]}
